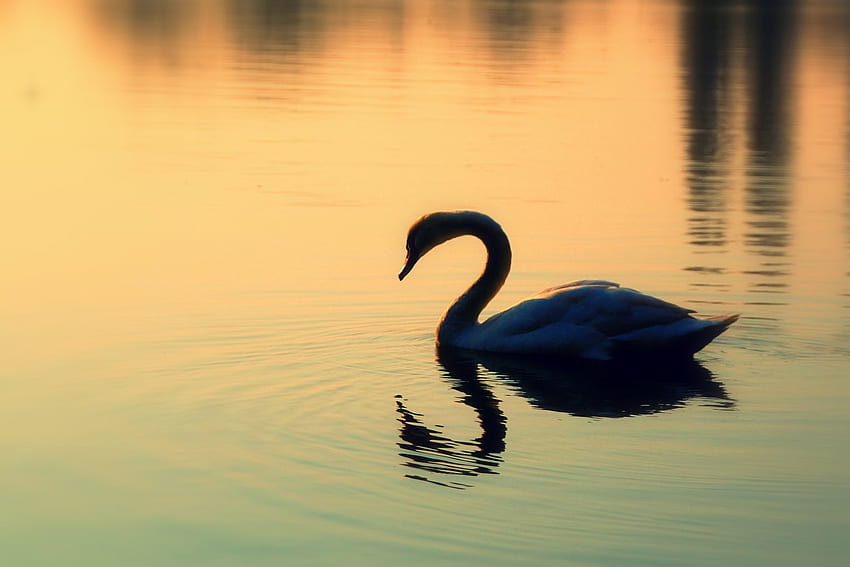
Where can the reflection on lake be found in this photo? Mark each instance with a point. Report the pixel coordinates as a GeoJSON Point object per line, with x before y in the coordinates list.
{"type": "Point", "coordinates": [208, 358]}
{"type": "Point", "coordinates": [580, 388]}
{"type": "Point", "coordinates": [760, 43]}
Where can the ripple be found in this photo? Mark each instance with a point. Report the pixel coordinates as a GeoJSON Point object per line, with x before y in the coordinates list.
{"type": "Point", "coordinates": [306, 394]}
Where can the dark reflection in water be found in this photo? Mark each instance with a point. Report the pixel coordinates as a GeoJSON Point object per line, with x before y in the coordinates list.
{"type": "Point", "coordinates": [581, 389]}
{"type": "Point", "coordinates": [297, 31]}
{"type": "Point", "coordinates": [707, 32]}
{"type": "Point", "coordinates": [510, 25]}
{"type": "Point", "coordinates": [282, 27]}
{"type": "Point", "coordinates": [764, 56]}
{"type": "Point", "coordinates": [429, 450]}
{"type": "Point", "coordinates": [768, 200]}
{"type": "Point", "coordinates": [278, 44]}
{"type": "Point", "coordinates": [154, 29]}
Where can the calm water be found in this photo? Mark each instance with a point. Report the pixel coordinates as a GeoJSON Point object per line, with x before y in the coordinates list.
{"type": "Point", "coordinates": [208, 360]}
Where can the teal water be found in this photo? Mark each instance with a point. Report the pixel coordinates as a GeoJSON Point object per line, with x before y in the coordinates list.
{"type": "Point", "coordinates": [208, 358]}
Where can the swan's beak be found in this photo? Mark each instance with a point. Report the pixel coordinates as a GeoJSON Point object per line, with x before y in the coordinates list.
{"type": "Point", "coordinates": [408, 265]}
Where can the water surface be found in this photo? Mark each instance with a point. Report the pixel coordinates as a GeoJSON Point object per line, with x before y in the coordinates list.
{"type": "Point", "coordinates": [208, 359]}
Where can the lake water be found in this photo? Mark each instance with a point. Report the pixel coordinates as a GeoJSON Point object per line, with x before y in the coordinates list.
{"type": "Point", "coordinates": [207, 358]}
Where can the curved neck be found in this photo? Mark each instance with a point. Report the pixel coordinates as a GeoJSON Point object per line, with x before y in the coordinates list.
{"type": "Point", "coordinates": [464, 312]}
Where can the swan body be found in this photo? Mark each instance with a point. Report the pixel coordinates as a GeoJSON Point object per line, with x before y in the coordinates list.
{"type": "Point", "coordinates": [591, 319]}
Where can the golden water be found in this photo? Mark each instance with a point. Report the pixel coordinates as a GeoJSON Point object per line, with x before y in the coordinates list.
{"type": "Point", "coordinates": [208, 359]}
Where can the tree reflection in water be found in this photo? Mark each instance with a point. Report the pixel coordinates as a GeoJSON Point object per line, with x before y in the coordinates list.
{"type": "Point", "coordinates": [584, 389]}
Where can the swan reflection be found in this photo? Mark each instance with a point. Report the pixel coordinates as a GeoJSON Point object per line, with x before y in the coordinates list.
{"type": "Point", "coordinates": [584, 389]}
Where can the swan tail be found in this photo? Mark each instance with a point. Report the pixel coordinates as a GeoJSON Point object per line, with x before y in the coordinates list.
{"type": "Point", "coordinates": [684, 337]}
{"type": "Point", "coordinates": [716, 324]}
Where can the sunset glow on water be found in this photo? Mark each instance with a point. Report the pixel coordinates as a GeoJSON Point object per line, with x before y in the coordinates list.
{"type": "Point", "coordinates": [209, 359]}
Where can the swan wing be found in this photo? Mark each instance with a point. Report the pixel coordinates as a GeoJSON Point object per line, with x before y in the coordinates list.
{"type": "Point", "coordinates": [604, 306]}
{"type": "Point", "coordinates": [558, 338]}
{"type": "Point", "coordinates": [580, 283]}
{"type": "Point", "coordinates": [585, 318]}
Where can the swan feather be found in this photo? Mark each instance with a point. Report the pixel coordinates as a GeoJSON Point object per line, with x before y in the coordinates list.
{"type": "Point", "coordinates": [585, 318]}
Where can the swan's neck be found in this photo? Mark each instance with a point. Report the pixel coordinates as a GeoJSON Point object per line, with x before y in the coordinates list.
{"type": "Point", "coordinates": [466, 309]}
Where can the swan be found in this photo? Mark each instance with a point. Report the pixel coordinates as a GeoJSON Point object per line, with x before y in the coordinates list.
{"type": "Point", "coordinates": [589, 319]}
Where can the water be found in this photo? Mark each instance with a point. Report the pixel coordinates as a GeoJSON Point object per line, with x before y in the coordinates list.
{"type": "Point", "coordinates": [208, 359]}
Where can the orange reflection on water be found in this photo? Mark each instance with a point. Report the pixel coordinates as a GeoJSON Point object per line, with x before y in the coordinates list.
{"type": "Point", "coordinates": [204, 211]}
{"type": "Point", "coordinates": [177, 149]}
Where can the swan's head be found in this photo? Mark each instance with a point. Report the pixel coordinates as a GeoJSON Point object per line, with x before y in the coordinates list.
{"type": "Point", "coordinates": [434, 229]}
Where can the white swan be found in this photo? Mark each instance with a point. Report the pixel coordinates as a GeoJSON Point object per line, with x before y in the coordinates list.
{"type": "Point", "coordinates": [583, 319]}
